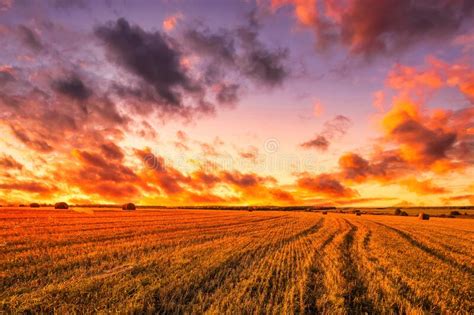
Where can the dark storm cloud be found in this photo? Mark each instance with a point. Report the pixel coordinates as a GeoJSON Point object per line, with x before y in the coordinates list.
{"type": "Point", "coordinates": [72, 87]}
{"type": "Point", "coordinates": [266, 66]}
{"type": "Point", "coordinates": [220, 45]}
{"type": "Point", "coordinates": [239, 50]}
{"type": "Point", "coordinates": [30, 38]}
{"type": "Point", "coordinates": [260, 63]}
{"type": "Point", "coordinates": [147, 55]}
{"type": "Point", "coordinates": [228, 94]}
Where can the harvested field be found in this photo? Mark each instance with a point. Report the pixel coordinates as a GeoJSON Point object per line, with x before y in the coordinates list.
{"type": "Point", "coordinates": [186, 261]}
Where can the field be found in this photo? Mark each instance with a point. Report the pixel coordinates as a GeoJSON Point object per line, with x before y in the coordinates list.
{"type": "Point", "coordinates": [182, 261]}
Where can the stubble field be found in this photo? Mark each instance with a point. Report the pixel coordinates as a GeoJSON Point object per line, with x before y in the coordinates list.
{"type": "Point", "coordinates": [196, 261]}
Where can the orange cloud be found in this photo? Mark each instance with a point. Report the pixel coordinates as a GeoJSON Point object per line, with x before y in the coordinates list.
{"type": "Point", "coordinates": [40, 189]}
{"type": "Point", "coordinates": [305, 10]}
{"type": "Point", "coordinates": [281, 195]}
{"type": "Point", "coordinates": [325, 185]}
{"type": "Point", "coordinates": [240, 180]}
{"type": "Point", "coordinates": [435, 75]}
{"type": "Point", "coordinates": [384, 167]}
{"type": "Point", "coordinates": [416, 139]}
{"type": "Point", "coordinates": [251, 153]}
{"type": "Point", "coordinates": [372, 27]}
{"type": "Point", "coordinates": [408, 78]}
{"type": "Point", "coordinates": [419, 143]}
{"type": "Point", "coordinates": [7, 162]}
{"type": "Point", "coordinates": [460, 198]}
{"type": "Point", "coordinates": [318, 109]}
{"type": "Point", "coordinates": [423, 187]}
{"type": "Point", "coordinates": [171, 21]}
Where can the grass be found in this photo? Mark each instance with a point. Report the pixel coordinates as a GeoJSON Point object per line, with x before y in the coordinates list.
{"type": "Point", "coordinates": [195, 261]}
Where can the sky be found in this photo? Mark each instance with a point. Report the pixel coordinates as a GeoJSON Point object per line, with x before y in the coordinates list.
{"type": "Point", "coordinates": [267, 102]}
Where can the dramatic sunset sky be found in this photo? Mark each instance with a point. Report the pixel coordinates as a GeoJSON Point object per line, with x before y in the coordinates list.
{"type": "Point", "coordinates": [283, 102]}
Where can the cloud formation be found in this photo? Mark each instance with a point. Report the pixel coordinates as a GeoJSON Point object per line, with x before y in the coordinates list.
{"type": "Point", "coordinates": [332, 130]}
{"type": "Point", "coordinates": [30, 38]}
{"type": "Point", "coordinates": [171, 21]}
{"type": "Point", "coordinates": [73, 87]}
{"type": "Point", "coordinates": [372, 27]}
{"type": "Point", "coordinates": [240, 50]}
{"type": "Point", "coordinates": [7, 162]}
{"type": "Point", "coordinates": [325, 185]}
{"type": "Point", "coordinates": [149, 56]}
{"type": "Point", "coordinates": [319, 142]}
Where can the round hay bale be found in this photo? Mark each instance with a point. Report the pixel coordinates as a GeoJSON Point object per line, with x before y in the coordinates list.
{"type": "Point", "coordinates": [129, 206]}
{"type": "Point", "coordinates": [22, 206]}
{"type": "Point", "coordinates": [325, 212]}
{"type": "Point", "coordinates": [423, 216]}
{"type": "Point", "coordinates": [34, 205]}
{"type": "Point", "coordinates": [61, 205]}
{"type": "Point", "coordinates": [404, 214]}
{"type": "Point", "coordinates": [358, 214]}
{"type": "Point", "coordinates": [455, 213]}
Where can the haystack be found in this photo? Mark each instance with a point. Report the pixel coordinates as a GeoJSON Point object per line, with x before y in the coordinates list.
{"type": "Point", "coordinates": [325, 212]}
{"type": "Point", "coordinates": [397, 212]}
{"type": "Point", "coordinates": [423, 216]}
{"type": "Point", "coordinates": [34, 205]}
{"type": "Point", "coordinates": [129, 206]}
{"type": "Point", "coordinates": [61, 205]}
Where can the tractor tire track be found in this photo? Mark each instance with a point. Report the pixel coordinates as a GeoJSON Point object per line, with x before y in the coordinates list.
{"type": "Point", "coordinates": [403, 290]}
{"type": "Point", "coordinates": [212, 279]}
{"type": "Point", "coordinates": [430, 251]}
{"type": "Point", "coordinates": [356, 300]}
{"type": "Point", "coordinates": [314, 284]}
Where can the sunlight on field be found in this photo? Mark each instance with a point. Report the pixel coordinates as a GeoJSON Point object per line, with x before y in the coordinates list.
{"type": "Point", "coordinates": [234, 261]}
